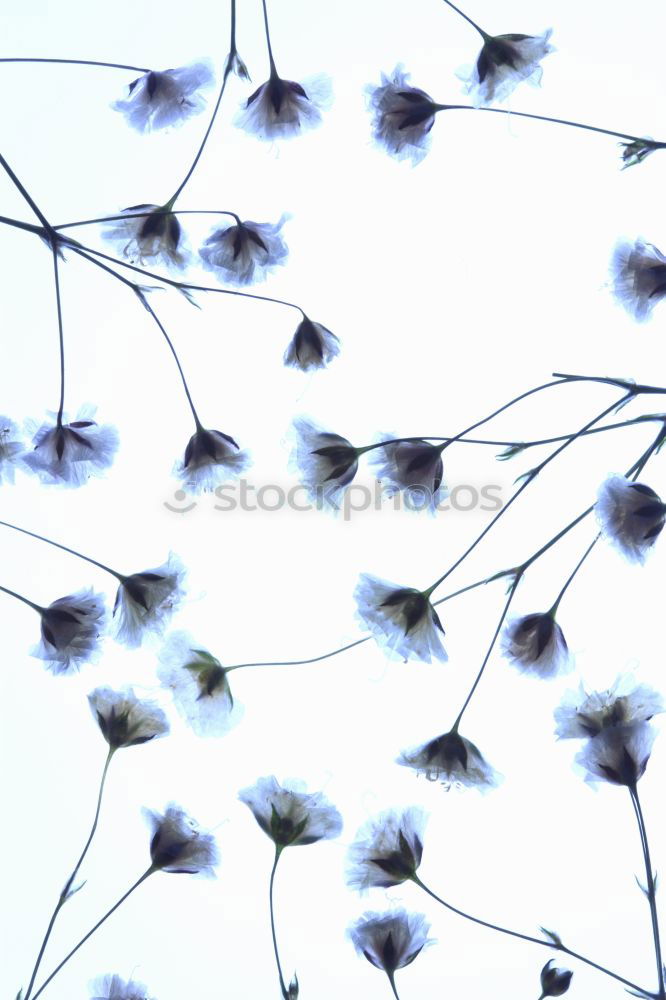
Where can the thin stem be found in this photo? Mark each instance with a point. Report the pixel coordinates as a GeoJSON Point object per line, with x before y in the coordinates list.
{"type": "Point", "coordinates": [150, 309]}
{"type": "Point", "coordinates": [526, 937]}
{"type": "Point", "coordinates": [571, 576]}
{"type": "Point", "coordinates": [145, 215]}
{"type": "Point", "coordinates": [283, 988]}
{"type": "Point", "coordinates": [17, 224]}
{"type": "Point", "coordinates": [90, 933]}
{"type": "Point", "coordinates": [274, 71]}
{"type": "Point", "coordinates": [40, 215]}
{"type": "Point", "coordinates": [542, 118]}
{"type": "Point", "coordinates": [19, 597]}
{"type": "Point", "coordinates": [64, 895]}
{"type": "Point", "coordinates": [77, 62]}
{"type": "Point", "coordinates": [636, 388]}
{"type": "Point", "coordinates": [61, 337]}
{"type": "Point", "coordinates": [65, 548]}
{"type": "Point", "coordinates": [651, 886]}
{"type": "Point", "coordinates": [391, 979]}
{"type": "Point", "coordinates": [469, 20]}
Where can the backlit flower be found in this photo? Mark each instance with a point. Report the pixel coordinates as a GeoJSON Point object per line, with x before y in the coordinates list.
{"type": "Point", "coordinates": [178, 845]}
{"type": "Point", "coordinates": [582, 716]}
{"type": "Point", "coordinates": [11, 449]}
{"type": "Point", "coordinates": [618, 754]}
{"type": "Point", "coordinates": [124, 720]}
{"type": "Point", "coordinates": [211, 458]}
{"type": "Point", "coordinates": [68, 454]}
{"type": "Point", "coordinates": [402, 620]}
{"type": "Point", "coordinates": [630, 515]}
{"type": "Point", "coordinates": [71, 628]}
{"type": "Point", "coordinates": [112, 987]}
{"type": "Point", "coordinates": [403, 116]}
{"type": "Point", "coordinates": [146, 601]}
{"type": "Point", "coordinates": [243, 253]}
{"type": "Point", "coordinates": [414, 468]}
{"type": "Point", "coordinates": [390, 940]}
{"type": "Point", "coordinates": [153, 238]}
{"type": "Point", "coordinates": [313, 346]}
{"type": "Point", "coordinates": [280, 108]}
{"type": "Point", "coordinates": [327, 462]}
{"type": "Point", "coordinates": [157, 100]}
{"type": "Point", "coordinates": [535, 644]}
{"type": "Point", "coordinates": [387, 850]}
{"type": "Point", "coordinates": [199, 685]}
{"type": "Point", "coordinates": [290, 816]}
{"type": "Point", "coordinates": [504, 62]}
{"type": "Point", "coordinates": [639, 277]}
{"type": "Point", "coordinates": [554, 982]}
{"type": "Point", "coordinates": [453, 760]}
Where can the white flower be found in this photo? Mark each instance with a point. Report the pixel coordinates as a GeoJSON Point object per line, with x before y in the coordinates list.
{"type": "Point", "coordinates": [630, 515]}
{"type": "Point", "coordinates": [146, 601]}
{"type": "Point", "coordinates": [414, 468]}
{"type": "Point", "coordinates": [390, 940]}
{"type": "Point", "coordinates": [402, 620]}
{"type": "Point", "coordinates": [282, 108]}
{"type": "Point", "coordinates": [618, 754]}
{"type": "Point", "coordinates": [178, 845]}
{"type": "Point", "coordinates": [453, 760]}
{"type": "Point", "coordinates": [554, 982]}
{"type": "Point", "coordinates": [11, 449]}
{"type": "Point", "coordinates": [244, 252]}
{"type": "Point", "coordinates": [581, 715]}
{"type": "Point", "coordinates": [169, 98]}
{"type": "Point", "coordinates": [199, 685]}
{"type": "Point", "coordinates": [71, 627]}
{"type": "Point", "coordinates": [112, 987]}
{"type": "Point", "coordinates": [327, 462]}
{"type": "Point", "coordinates": [290, 816]}
{"type": "Point", "coordinates": [313, 346]}
{"type": "Point", "coordinates": [535, 645]}
{"type": "Point", "coordinates": [211, 458]}
{"type": "Point", "coordinates": [403, 116]}
{"type": "Point", "coordinates": [153, 238]}
{"type": "Point", "coordinates": [639, 278]}
{"type": "Point", "coordinates": [504, 62]}
{"type": "Point", "coordinates": [68, 454]}
{"type": "Point", "coordinates": [124, 720]}
{"type": "Point", "coordinates": [387, 850]}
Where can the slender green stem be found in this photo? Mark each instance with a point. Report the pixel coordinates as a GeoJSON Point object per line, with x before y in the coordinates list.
{"type": "Point", "coordinates": [145, 215]}
{"type": "Point", "coordinates": [19, 597]}
{"type": "Point", "coordinates": [651, 887]}
{"type": "Point", "coordinates": [17, 183]}
{"type": "Point", "coordinates": [391, 979]}
{"type": "Point", "coordinates": [65, 548]}
{"type": "Point", "coordinates": [77, 62]}
{"type": "Point", "coordinates": [543, 118]}
{"type": "Point", "coordinates": [90, 933]}
{"type": "Point", "coordinates": [469, 20]}
{"type": "Point", "coordinates": [64, 895]}
{"type": "Point", "coordinates": [274, 71]}
{"type": "Point", "coordinates": [526, 937]}
{"type": "Point", "coordinates": [571, 576]}
{"type": "Point", "coordinates": [61, 336]}
{"type": "Point", "coordinates": [283, 988]}
{"type": "Point", "coordinates": [152, 312]}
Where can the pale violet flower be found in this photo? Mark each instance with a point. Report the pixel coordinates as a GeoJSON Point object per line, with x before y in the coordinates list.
{"type": "Point", "coordinates": [145, 602]}
{"type": "Point", "coordinates": [69, 453]}
{"type": "Point", "coordinates": [452, 760]}
{"type": "Point", "coordinates": [71, 628]}
{"type": "Point", "coordinates": [402, 620]}
{"type": "Point", "coordinates": [312, 346]}
{"type": "Point", "coordinates": [243, 253]}
{"type": "Point", "coordinates": [170, 97]}
{"type": "Point", "coordinates": [326, 463]}
{"type": "Point", "coordinates": [289, 815]}
{"type": "Point", "coordinates": [11, 449]}
{"type": "Point", "coordinates": [199, 685]}
{"type": "Point", "coordinates": [387, 850]}
{"type": "Point", "coordinates": [211, 458]}
{"type": "Point", "coordinates": [390, 940]}
{"type": "Point", "coordinates": [178, 846]}
{"type": "Point", "coordinates": [149, 234]}
{"type": "Point", "coordinates": [639, 277]}
{"type": "Point", "coordinates": [582, 716]}
{"type": "Point", "coordinates": [279, 109]}
{"type": "Point", "coordinates": [414, 468]}
{"type": "Point", "coordinates": [631, 516]}
{"type": "Point", "coordinates": [112, 987]}
{"type": "Point", "coordinates": [618, 754]}
{"type": "Point", "coordinates": [124, 720]}
{"type": "Point", "coordinates": [535, 645]}
{"type": "Point", "coordinates": [403, 116]}
{"type": "Point", "coordinates": [503, 63]}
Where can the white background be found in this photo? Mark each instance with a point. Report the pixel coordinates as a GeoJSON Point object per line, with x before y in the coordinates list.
{"type": "Point", "coordinates": [453, 287]}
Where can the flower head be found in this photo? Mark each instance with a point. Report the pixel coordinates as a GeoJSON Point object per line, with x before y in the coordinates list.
{"type": "Point", "coordinates": [313, 346]}
{"type": "Point", "coordinates": [453, 760]}
{"type": "Point", "coordinates": [156, 100]}
{"type": "Point", "coordinates": [631, 515]}
{"type": "Point", "coordinates": [554, 982]}
{"type": "Point", "coordinates": [504, 62]}
{"type": "Point", "coordinates": [414, 468]}
{"type": "Point", "coordinates": [243, 253]}
{"type": "Point", "coordinates": [290, 816]}
{"type": "Point", "coordinates": [178, 845]}
{"type": "Point", "coordinates": [153, 238]}
{"type": "Point", "coordinates": [112, 987]}
{"type": "Point", "coordinates": [11, 449]}
{"type": "Point", "coordinates": [71, 627]}
{"type": "Point", "coordinates": [199, 685]}
{"type": "Point", "coordinates": [68, 454]}
{"type": "Point", "coordinates": [582, 715]}
{"type": "Point", "coordinates": [390, 940]}
{"type": "Point", "coordinates": [402, 620]}
{"type": "Point", "coordinates": [387, 850]}
{"type": "Point", "coordinates": [327, 462]}
{"type": "Point", "coordinates": [211, 458]}
{"type": "Point", "coordinates": [618, 754]}
{"type": "Point", "coordinates": [124, 720]}
{"type": "Point", "coordinates": [403, 116]}
{"type": "Point", "coordinates": [280, 108]}
{"type": "Point", "coordinates": [535, 644]}
{"type": "Point", "coordinates": [639, 277]}
{"type": "Point", "coordinates": [635, 152]}
{"type": "Point", "coordinates": [146, 601]}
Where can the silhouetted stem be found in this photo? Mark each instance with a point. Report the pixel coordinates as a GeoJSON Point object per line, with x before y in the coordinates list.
{"type": "Point", "coordinates": [61, 337]}
{"type": "Point", "coordinates": [78, 62]}
{"type": "Point", "coordinates": [650, 886]}
{"type": "Point", "coordinates": [17, 183]}
{"type": "Point", "coordinates": [149, 308]}
{"type": "Point", "coordinates": [19, 597]}
{"type": "Point", "coordinates": [469, 20]}
{"type": "Point", "coordinates": [65, 548]}
{"type": "Point", "coordinates": [571, 576]}
{"type": "Point", "coordinates": [283, 988]}
{"type": "Point", "coordinates": [391, 979]}
{"type": "Point", "coordinates": [145, 215]}
{"type": "Point", "coordinates": [274, 71]}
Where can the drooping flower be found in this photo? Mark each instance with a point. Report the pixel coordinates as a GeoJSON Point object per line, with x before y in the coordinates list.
{"type": "Point", "coordinates": [554, 982]}
{"type": "Point", "coordinates": [391, 940]}
{"type": "Point", "coordinates": [243, 253]}
{"type": "Point", "coordinates": [403, 116]}
{"type": "Point", "coordinates": [402, 620]}
{"type": "Point", "coordinates": [71, 628]}
{"type": "Point", "coordinates": [290, 816]}
{"type": "Point", "coordinates": [159, 99]}
{"type": "Point", "coordinates": [312, 346]}
{"type": "Point", "coordinates": [637, 150]}
{"type": "Point", "coordinates": [535, 645]}
{"type": "Point", "coordinates": [327, 462]}
{"type": "Point", "coordinates": [199, 685]}
{"type": "Point", "coordinates": [153, 238]}
{"type": "Point", "coordinates": [618, 754]}
{"type": "Point", "coordinates": [146, 601]}
{"type": "Point", "coordinates": [68, 454]}
{"type": "Point", "coordinates": [630, 515]}
{"type": "Point", "coordinates": [453, 760]}
{"type": "Point", "coordinates": [387, 850]}
{"type": "Point", "coordinates": [124, 720]}
{"type": "Point", "coordinates": [211, 458]}
{"type": "Point", "coordinates": [414, 468]}
{"type": "Point", "coordinates": [582, 716]}
{"type": "Point", "coordinates": [504, 62]}
{"type": "Point", "coordinates": [178, 846]}
{"type": "Point", "coordinates": [112, 987]}
{"type": "Point", "coordinates": [11, 449]}
{"type": "Point", "coordinates": [279, 109]}
{"type": "Point", "coordinates": [639, 277]}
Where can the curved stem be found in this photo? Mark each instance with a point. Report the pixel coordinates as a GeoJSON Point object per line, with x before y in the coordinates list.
{"type": "Point", "coordinates": [61, 337]}
{"type": "Point", "coordinates": [77, 62]}
{"type": "Point", "coordinates": [65, 548]}
{"type": "Point", "coordinates": [543, 118]}
{"type": "Point", "coordinates": [150, 309]}
{"type": "Point", "coordinates": [283, 988]}
{"type": "Point", "coordinates": [651, 887]}
{"type": "Point", "coordinates": [469, 20]}
{"type": "Point", "coordinates": [636, 388]}
{"type": "Point", "coordinates": [19, 597]}
{"type": "Point", "coordinates": [145, 215]}
{"type": "Point", "coordinates": [571, 576]}
{"type": "Point", "coordinates": [526, 937]}
{"type": "Point", "coordinates": [90, 933]}
{"type": "Point", "coordinates": [40, 215]}
{"type": "Point", "coordinates": [274, 71]}
{"type": "Point", "coordinates": [391, 979]}
{"type": "Point", "coordinates": [64, 895]}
